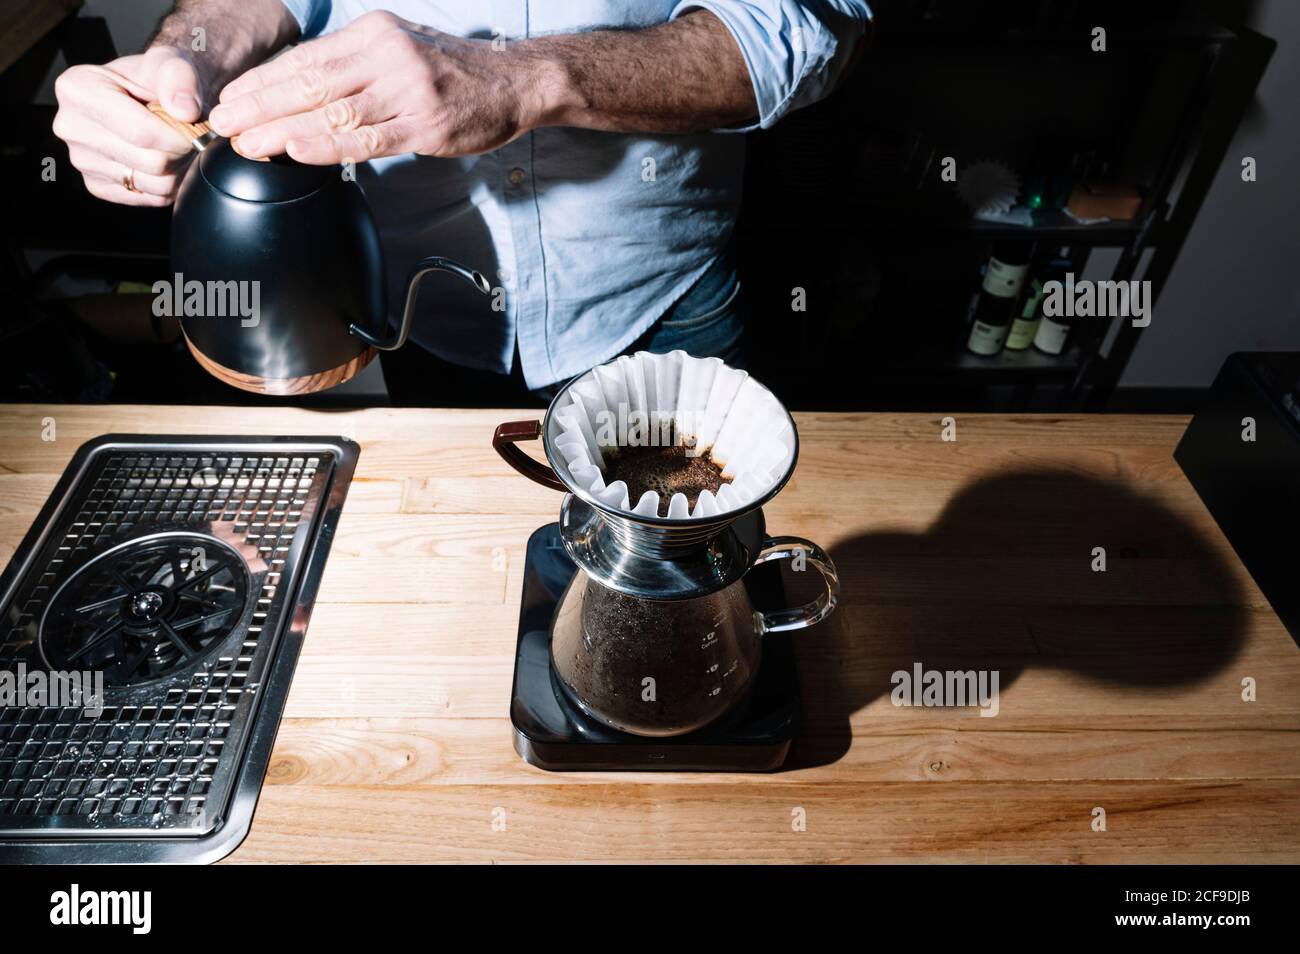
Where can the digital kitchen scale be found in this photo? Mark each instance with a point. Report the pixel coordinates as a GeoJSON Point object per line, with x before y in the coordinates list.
{"type": "Point", "coordinates": [551, 733]}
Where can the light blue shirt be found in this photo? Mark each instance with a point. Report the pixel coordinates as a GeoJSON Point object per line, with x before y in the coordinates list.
{"type": "Point", "coordinates": [589, 236]}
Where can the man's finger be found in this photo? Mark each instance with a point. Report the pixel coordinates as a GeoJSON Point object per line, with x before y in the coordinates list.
{"type": "Point", "coordinates": [111, 191]}
{"type": "Point", "coordinates": [91, 163]}
{"type": "Point", "coordinates": [342, 115]}
{"type": "Point", "coordinates": [123, 71]}
{"type": "Point", "coordinates": [76, 128]}
{"type": "Point", "coordinates": [178, 90]}
{"type": "Point", "coordinates": [307, 90]}
{"type": "Point", "coordinates": [358, 145]}
{"type": "Point", "coordinates": [309, 55]}
{"type": "Point", "coordinates": [131, 121]}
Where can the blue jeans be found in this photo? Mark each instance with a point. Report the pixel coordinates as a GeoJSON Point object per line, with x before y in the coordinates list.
{"type": "Point", "coordinates": [706, 322]}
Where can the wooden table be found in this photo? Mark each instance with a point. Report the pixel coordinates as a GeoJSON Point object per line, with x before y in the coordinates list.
{"type": "Point", "coordinates": [1119, 690]}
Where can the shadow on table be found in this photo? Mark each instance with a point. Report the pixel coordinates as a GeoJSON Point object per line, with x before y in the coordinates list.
{"type": "Point", "coordinates": [1003, 581]}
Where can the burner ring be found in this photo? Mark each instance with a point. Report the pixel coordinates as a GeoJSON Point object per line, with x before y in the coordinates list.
{"type": "Point", "coordinates": [147, 609]}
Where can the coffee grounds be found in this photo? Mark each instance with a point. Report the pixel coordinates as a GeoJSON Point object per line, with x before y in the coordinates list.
{"type": "Point", "coordinates": [665, 470]}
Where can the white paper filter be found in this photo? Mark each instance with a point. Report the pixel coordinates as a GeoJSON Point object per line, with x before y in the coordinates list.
{"type": "Point", "coordinates": [666, 399]}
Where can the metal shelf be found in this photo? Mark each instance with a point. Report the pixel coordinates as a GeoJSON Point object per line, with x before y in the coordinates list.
{"type": "Point", "coordinates": [1028, 361]}
{"type": "Point", "coordinates": [1048, 227]}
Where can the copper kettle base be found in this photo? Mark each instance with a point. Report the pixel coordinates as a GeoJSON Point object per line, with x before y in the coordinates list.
{"type": "Point", "coordinates": [306, 384]}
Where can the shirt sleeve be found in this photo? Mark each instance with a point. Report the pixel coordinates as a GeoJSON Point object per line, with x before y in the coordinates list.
{"type": "Point", "coordinates": [312, 15]}
{"type": "Point", "coordinates": [795, 50]}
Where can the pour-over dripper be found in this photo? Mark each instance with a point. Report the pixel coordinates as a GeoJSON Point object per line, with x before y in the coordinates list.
{"type": "Point", "coordinates": [702, 401]}
{"type": "Point", "coordinates": [720, 420]}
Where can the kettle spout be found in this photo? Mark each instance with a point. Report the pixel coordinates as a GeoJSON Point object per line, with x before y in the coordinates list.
{"type": "Point", "coordinates": [391, 342]}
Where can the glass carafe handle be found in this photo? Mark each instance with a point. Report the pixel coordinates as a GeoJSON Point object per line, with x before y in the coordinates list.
{"type": "Point", "coordinates": [797, 617]}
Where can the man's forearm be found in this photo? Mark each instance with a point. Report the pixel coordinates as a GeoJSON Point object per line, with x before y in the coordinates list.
{"type": "Point", "coordinates": [683, 76]}
{"type": "Point", "coordinates": [235, 36]}
{"type": "Point", "coordinates": [384, 86]}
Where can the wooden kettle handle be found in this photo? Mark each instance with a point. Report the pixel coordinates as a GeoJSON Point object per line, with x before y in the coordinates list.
{"type": "Point", "coordinates": [199, 134]}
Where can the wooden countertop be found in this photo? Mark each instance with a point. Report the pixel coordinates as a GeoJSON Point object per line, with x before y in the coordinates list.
{"type": "Point", "coordinates": [1119, 690]}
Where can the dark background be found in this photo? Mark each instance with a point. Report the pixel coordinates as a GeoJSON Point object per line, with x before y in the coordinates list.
{"type": "Point", "coordinates": [842, 199]}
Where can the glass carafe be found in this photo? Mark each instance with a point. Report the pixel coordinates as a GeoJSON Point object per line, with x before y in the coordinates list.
{"type": "Point", "coordinates": [657, 667]}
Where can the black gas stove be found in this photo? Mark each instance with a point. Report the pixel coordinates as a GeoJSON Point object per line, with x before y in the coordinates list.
{"type": "Point", "coordinates": [171, 579]}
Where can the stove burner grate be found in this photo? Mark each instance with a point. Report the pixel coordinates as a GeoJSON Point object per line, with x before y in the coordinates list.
{"type": "Point", "coordinates": [168, 765]}
{"type": "Point", "coordinates": [147, 609]}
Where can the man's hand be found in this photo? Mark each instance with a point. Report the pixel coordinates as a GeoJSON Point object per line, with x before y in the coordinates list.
{"type": "Point", "coordinates": [381, 86]}
{"type": "Point", "coordinates": [124, 152]}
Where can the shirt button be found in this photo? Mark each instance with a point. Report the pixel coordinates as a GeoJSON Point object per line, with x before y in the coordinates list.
{"type": "Point", "coordinates": [517, 176]}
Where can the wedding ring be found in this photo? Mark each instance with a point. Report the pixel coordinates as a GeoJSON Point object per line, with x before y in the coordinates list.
{"type": "Point", "coordinates": [128, 181]}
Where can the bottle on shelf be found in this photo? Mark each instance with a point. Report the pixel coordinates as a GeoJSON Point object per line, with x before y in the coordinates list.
{"type": "Point", "coordinates": [1053, 333]}
{"type": "Point", "coordinates": [1025, 324]}
{"type": "Point", "coordinates": [1027, 317]}
{"type": "Point", "coordinates": [995, 305]}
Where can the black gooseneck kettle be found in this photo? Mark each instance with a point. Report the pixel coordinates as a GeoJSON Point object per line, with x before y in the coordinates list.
{"type": "Point", "coordinates": [296, 249]}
